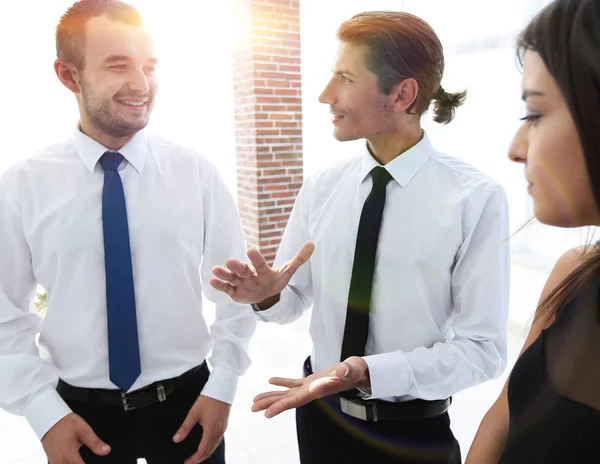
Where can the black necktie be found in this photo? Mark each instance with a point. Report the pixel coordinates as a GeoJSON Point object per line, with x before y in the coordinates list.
{"type": "Point", "coordinates": [356, 330]}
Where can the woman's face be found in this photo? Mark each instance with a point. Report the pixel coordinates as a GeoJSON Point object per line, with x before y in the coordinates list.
{"type": "Point", "coordinates": [548, 144]}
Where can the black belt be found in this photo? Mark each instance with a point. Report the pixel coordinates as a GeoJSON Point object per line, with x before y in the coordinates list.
{"type": "Point", "coordinates": [377, 410]}
{"type": "Point", "coordinates": [154, 393]}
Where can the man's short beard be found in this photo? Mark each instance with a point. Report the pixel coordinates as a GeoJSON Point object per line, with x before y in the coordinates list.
{"type": "Point", "coordinates": [114, 127]}
{"type": "Point", "coordinates": [101, 118]}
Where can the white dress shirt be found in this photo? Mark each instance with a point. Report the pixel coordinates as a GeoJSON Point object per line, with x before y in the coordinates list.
{"type": "Point", "coordinates": [439, 306]}
{"type": "Point", "coordinates": [182, 222]}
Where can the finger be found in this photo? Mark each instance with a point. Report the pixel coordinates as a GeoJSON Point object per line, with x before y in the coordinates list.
{"type": "Point", "coordinates": [233, 278]}
{"type": "Point", "coordinates": [225, 274]}
{"type": "Point", "coordinates": [221, 272]}
{"type": "Point", "coordinates": [224, 287]}
{"type": "Point", "coordinates": [289, 402]}
{"type": "Point", "coordinates": [188, 424]}
{"type": "Point", "coordinates": [301, 257]}
{"type": "Point", "coordinates": [266, 403]}
{"type": "Point", "coordinates": [240, 268]}
{"type": "Point", "coordinates": [286, 382]}
{"type": "Point", "coordinates": [87, 437]}
{"type": "Point", "coordinates": [258, 261]}
{"type": "Point", "coordinates": [272, 394]}
{"type": "Point", "coordinates": [208, 444]}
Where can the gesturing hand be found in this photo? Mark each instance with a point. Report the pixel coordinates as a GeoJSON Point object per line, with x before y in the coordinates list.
{"type": "Point", "coordinates": [352, 373]}
{"type": "Point", "coordinates": [246, 285]}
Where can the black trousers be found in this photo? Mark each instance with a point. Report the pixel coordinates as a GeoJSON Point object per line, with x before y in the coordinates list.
{"type": "Point", "coordinates": [326, 435]}
{"type": "Point", "coordinates": [147, 432]}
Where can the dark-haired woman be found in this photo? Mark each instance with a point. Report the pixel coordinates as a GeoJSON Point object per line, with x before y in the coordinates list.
{"type": "Point", "coordinates": [549, 411]}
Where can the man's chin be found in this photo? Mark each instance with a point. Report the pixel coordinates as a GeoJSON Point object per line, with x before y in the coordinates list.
{"type": "Point", "coordinates": [341, 137]}
{"type": "Point", "coordinates": [131, 127]}
{"type": "Point", "coordinates": [124, 130]}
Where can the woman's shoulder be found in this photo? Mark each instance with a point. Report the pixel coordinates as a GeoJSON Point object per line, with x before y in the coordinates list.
{"type": "Point", "coordinates": [565, 266]}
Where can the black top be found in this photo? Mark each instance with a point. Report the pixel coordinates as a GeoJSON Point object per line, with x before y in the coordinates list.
{"type": "Point", "coordinates": [554, 390]}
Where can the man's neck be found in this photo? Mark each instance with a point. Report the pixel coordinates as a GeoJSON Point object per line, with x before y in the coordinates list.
{"type": "Point", "coordinates": [112, 143]}
{"type": "Point", "coordinates": [385, 147]}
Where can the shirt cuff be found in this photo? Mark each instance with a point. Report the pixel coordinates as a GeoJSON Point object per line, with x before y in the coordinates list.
{"type": "Point", "coordinates": [271, 314]}
{"type": "Point", "coordinates": [44, 410]}
{"type": "Point", "coordinates": [390, 375]}
{"type": "Point", "coordinates": [221, 385]}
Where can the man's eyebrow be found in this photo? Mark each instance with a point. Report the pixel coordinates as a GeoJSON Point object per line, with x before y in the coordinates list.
{"type": "Point", "coordinates": [121, 58]}
{"type": "Point", "coordinates": [114, 58]}
{"type": "Point", "coordinates": [343, 71]}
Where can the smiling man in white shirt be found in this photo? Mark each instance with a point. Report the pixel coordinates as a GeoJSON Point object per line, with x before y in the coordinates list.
{"type": "Point", "coordinates": [122, 229]}
{"type": "Point", "coordinates": [409, 272]}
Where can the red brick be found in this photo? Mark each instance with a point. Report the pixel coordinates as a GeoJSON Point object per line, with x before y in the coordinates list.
{"type": "Point", "coordinates": [268, 119]}
{"type": "Point", "coordinates": [261, 67]}
{"type": "Point", "coordinates": [289, 194]}
{"type": "Point", "coordinates": [281, 83]}
{"type": "Point", "coordinates": [281, 116]}
{"type": "Point", "coordinates": [286, 201]}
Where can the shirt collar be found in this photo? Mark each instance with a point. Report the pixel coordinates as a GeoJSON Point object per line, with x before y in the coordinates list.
{"type": "Point", "coordinates": [91, 151]}
{"type": "Point", "coordinates": [402, 168]}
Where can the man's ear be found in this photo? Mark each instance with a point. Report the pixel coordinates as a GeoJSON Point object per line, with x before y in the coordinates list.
{"type": "Point", "coordinates": [404, 94]}
{"type": "Point", "coordinates": [68, 74]}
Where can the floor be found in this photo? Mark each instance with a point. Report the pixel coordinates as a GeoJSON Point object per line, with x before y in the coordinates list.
{"type": "Point", "coordinates": [280, 350]}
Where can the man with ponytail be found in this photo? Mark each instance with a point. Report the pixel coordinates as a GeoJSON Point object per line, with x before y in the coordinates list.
{"type": "Point", "coordinates": [408, 277]}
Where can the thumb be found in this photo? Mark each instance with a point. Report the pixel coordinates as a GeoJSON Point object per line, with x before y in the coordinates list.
{"type": "Point", "coordinates": [343, 370]}
{"type": "Point", "coordinates": [353, 369]}
{"type": "Point", "coordinates": [87, 437]}
{"type": "Point", "coordinates": [301, 257]}
{"type": "Point", "coordinates": [188, 424]}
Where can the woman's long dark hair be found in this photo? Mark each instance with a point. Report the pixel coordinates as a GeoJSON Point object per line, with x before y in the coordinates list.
{"type": "Point", "coordinates": [566, 34]}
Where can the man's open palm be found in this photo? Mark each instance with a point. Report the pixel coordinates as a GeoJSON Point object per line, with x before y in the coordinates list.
{"type": "Point", "coordinates": [246, 285]}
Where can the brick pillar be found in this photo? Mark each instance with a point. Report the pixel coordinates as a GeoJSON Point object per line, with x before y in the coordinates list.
{"type": "Point", "coordinates": [268, 117]}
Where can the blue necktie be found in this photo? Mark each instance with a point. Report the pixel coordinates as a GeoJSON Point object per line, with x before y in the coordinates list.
{"type": "Point", "coordinates": [123, 347]}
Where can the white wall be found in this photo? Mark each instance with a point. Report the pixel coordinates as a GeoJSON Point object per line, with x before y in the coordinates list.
{"type": "Point", "coordinates": [195, 103]}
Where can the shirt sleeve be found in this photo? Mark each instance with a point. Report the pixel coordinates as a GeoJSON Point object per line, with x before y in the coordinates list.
{"type": "Point", "coordinates": [478, 351]}
{"type": "Point", "coordinates": [234, 322]}
{"type": "Point", "coordinates": [297, 297]}
{"type": "Point", "coordinates": [27, 383]}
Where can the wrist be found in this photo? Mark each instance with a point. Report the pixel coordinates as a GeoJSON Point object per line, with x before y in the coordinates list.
{"type": "Point", "coordinates": [360, 370]}
{"type": "Point", "coordinates": [267, 303]}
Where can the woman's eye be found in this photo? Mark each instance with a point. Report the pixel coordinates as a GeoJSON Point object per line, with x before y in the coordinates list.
{"type": "Point", "coordinates": [531, 118]}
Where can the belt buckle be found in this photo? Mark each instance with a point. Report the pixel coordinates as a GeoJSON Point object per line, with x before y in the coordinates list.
{"type": "Point", "coordinates": [359, 411]}
{"type": "Point", "coordinates": [160, 392]}
{"type": "Point", "coordinates": [125, 401]}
